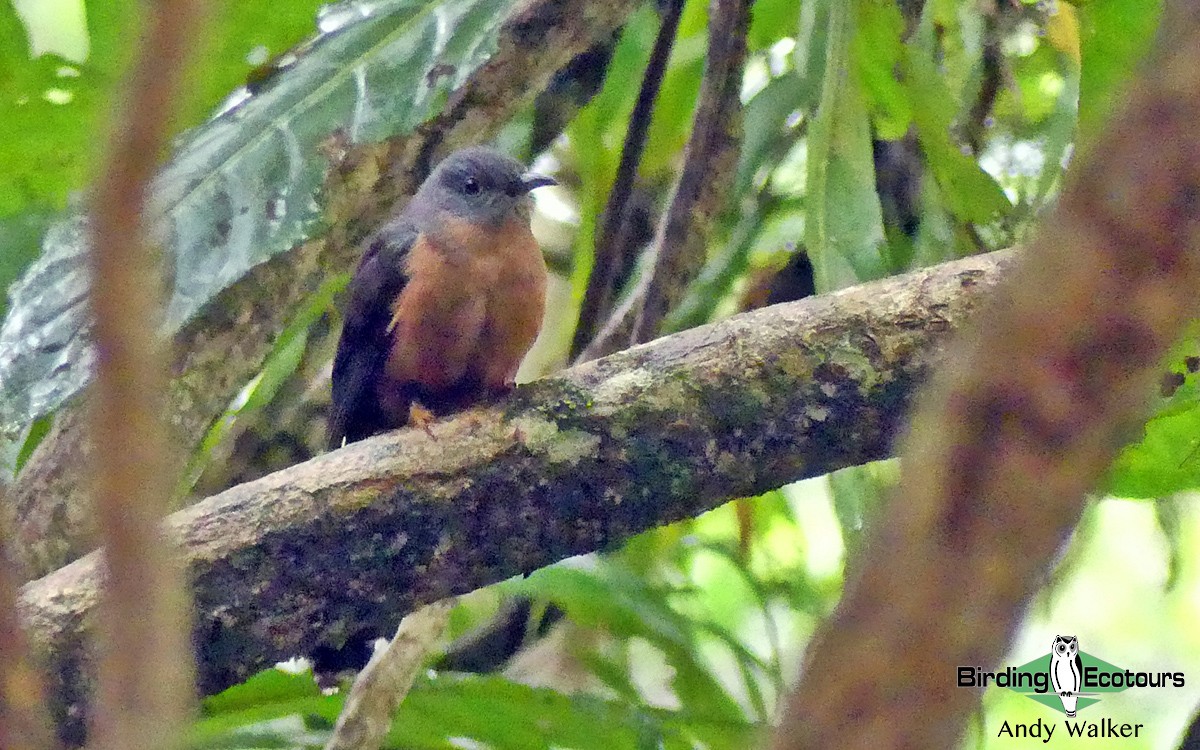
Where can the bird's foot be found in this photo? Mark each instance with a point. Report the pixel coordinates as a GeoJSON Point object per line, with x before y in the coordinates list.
{"type": "Point", "coordinates": [419, 416]}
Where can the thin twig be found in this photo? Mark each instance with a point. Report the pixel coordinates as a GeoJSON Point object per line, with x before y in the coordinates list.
{"type": "Point", "coordinates": [991, 78]}
{"type": "Point", "coordinates": [610, 248]}
{"type": "Point", "coordinates": [145, 677]}
{"type": "Point", "coordinates": [701, 192]}
{"type": "Point", "coordinates": [381, 686]}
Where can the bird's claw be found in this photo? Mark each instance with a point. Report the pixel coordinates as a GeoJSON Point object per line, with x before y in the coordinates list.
{"type": "Point", "coordinates": [419, 416]}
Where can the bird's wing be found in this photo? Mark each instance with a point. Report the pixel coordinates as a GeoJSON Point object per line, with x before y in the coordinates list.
{"type": "Point", "coordinates": [364, 345]}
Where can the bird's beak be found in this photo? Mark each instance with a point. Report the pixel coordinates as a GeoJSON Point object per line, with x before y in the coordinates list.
{"type": "Point", "coordinates": [532, 180]}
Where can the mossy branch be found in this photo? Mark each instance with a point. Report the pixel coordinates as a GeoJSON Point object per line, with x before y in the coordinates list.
{"type": "Point", "coordinates": [354, 539]}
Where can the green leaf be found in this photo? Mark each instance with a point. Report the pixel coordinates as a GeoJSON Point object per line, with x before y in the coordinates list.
{"type": "Point", "coordinates": [268, 710]}
{"type": "Point", "coordinates": [1114, 36]}
{"type": "Point", "coordinates": [970, 193]}
{"type": "Point", "coordinates": [52, 107]}
{"type": "Point", "coordinates": [766, 126]}
{"type": "Point", "coordinates": [878, 51]}
{"type": "Point", "coordinates": [503, 714]}
{"type": "Point", "coordinates": [1170, 513]}
{"type": "Point", "coordinates": [597, 133]}
{"type": "Point", "coordinates": [280, 364]}
{"type": "Point", "coordinates": [1164, 461]}
{"type": "Point", "coordinates": [857, 493]}
{"type": "Point", "coordinates": [611, 598]}
{"type": "Point", "coordinates": [269, 687]}
{"type": "Point", "coordinates": [37, 431]}
{"type": "Point", "coordinates": [48, 149]}
{"type": "Point", "coordinates": [1166, 457]}
{"type": "Point", "coordinates": [1060, 135]}
{"type": "Point", "coordinates": [671, 124]}
{"type": "Point", "coordinates": [770, 21]}
{"type": "Point", "coordinates": [843, 222]}
{"type": "Point", "coordinates": [955, 31]}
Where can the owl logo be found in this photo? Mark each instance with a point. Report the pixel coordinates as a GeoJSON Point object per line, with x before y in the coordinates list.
{"type": "Point", "coordinates": [1066, 671]}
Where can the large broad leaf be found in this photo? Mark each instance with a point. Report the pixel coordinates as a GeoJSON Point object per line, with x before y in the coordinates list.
{"type": "Point", "coordinates": [245, 186]}
{"type": "Point", "coordinates": [1165, 461]}
{"type": "Point", "coordinates": [503, 714]}
{"type": "Point", "coordinates": [274, 709]}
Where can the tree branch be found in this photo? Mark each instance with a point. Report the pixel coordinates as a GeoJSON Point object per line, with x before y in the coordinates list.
{"type": "Point", "coordinates": [701, 192]}
{"type": "Point", "coordinates": [1027, 414]}
{"type": "Point", "coordinates": [216, 354]}
{"type": "Point", "coordinates": [610, 246]}
{"type": "Point", "coordinates": [381, 686]}
{"type": "Point", "coordinates": [573, 463]}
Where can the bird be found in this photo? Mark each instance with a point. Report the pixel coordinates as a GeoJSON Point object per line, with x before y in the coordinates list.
{"type": "Point", "coordinates": [445, 302]}
{"type": "Point", "coordinates": [1066, 671]}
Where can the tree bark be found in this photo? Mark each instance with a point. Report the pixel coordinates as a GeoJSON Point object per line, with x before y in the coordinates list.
{"type": "Point", "coordinates": [1020, 424]}
{"type": "Point", "coordinates": [354, 539]}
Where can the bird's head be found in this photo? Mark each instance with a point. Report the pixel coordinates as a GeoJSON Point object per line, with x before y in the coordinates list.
{"type": "Point", "coordinates": [480, 185]}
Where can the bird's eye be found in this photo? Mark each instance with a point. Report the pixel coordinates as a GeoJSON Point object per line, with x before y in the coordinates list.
{"type": "Point", "coordinates": [471, 186]}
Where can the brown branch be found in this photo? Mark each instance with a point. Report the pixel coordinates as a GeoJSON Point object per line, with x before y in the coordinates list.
{"type": "Point", "coordinates": [24, 722]}
{"type": "Point", "coordinates": [610, 250]}
{"type": "Point", "coordinates": [701, 192]}
{"type": "Point", "coordinates": [220, 351]}
{"type": "Point", "coordinates": [1027, 414]}
{"type": "Point", "coordinates": [145, 677]}
{"type": "Point", "coordinates": [991, 64]}
{"type": "Point", "coordinates": [381, 686]}
{"type": "Point", "coordinates": [354, 539]}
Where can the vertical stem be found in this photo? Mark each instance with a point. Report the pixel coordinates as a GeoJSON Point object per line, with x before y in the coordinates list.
{"type": "Point", "coordinates": [145, 673]}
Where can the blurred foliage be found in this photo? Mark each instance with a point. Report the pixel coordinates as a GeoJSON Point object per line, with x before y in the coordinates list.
{"type": "Point", "coordinates": [1166, 459]}
{"type": "Point", "coordinates": [879, 136]}
{"type": "Point", "coordinates": [53, 106]}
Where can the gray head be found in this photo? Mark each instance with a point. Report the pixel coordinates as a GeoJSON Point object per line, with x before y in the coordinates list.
{"type": "Point", "coordinates": [480, 185]}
